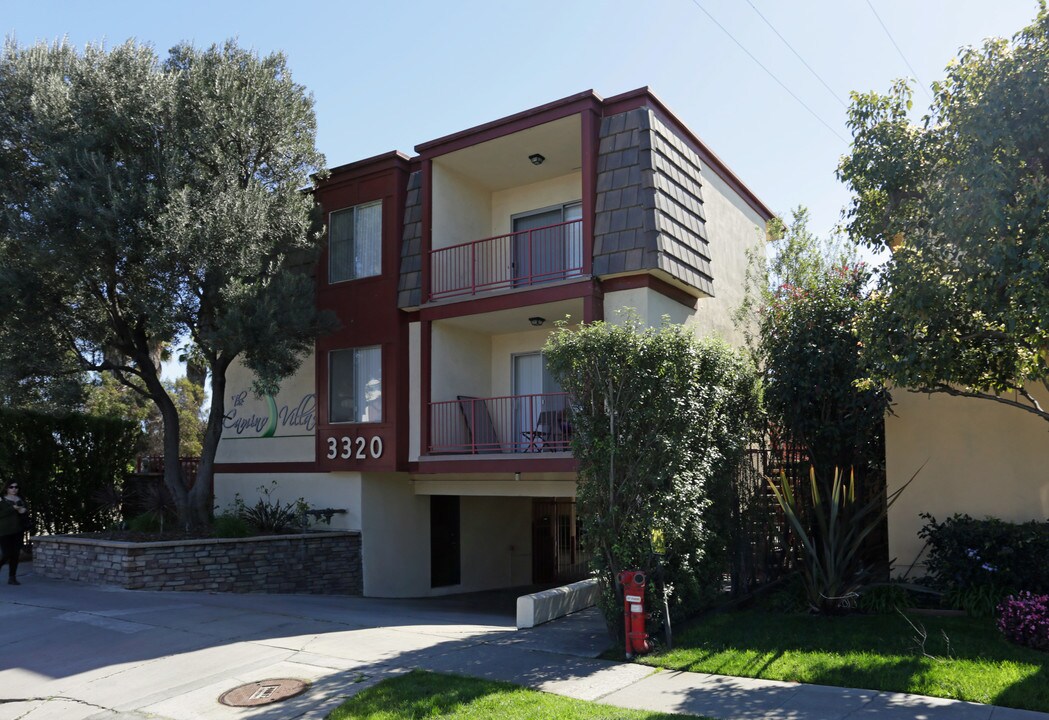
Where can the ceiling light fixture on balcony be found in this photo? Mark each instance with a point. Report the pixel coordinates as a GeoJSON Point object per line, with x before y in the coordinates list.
{"type": "Point", "coordinates": [536, 321]}
{"type": "Point", "coordinates": [536, 158]}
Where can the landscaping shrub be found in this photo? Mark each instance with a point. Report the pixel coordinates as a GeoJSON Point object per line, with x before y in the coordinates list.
{"type": "Point", "coordinates": [228, 525]}
{"type": "Point", "coordinates": [832, 562]}
{"type": "Point", "coordinates": [1024, 619]}
{"type": "Point", "coordinates": [966, 555]}
{"type": "Point", "coordinates": [147, 522]}
{"type": "Point", "coordinates": [269, 515]}
{"type": "Point", "coordinates": [884, 599]}
{"type": "Point", "coordinates": [64, 463]}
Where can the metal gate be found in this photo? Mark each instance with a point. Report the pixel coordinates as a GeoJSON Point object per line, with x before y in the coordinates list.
{"type": "Point", "coordinates": [556, 557]}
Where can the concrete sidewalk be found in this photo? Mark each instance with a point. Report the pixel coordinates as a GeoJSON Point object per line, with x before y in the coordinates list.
{"type": "Point", "coordinates": [75, 652]}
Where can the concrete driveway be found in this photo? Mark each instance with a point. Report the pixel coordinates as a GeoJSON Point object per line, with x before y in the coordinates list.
{"type": "Point", "coordinates": [73, 651]}
{"type": "Point", "coordinates": [70, 652]}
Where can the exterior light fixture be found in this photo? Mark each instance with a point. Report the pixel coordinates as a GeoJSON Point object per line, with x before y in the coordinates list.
{"type": "Point", "coordinates": [517, 477]}
{"type": "Point", "coordinates": [536, 158]}
{"type": "Point", "coordinates": [536, 321]}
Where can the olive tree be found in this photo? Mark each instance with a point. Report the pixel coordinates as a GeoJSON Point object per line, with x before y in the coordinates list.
{"type": "Point", "coordinates": [145, 203]}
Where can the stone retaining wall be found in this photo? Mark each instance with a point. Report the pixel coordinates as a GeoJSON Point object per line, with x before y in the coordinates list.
{"type": "Point", "coordinates": [321, 563]}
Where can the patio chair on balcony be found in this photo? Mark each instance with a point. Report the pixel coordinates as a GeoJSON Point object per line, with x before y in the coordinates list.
{"type": "Point", "coordinates": [483, 437]}
{"type": "Point", "coordinates": [554, 431]}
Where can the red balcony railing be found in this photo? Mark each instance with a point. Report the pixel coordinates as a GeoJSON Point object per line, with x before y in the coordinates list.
{"type": "Point", "coordinates": [511, 424]}
{"type": "Point", "coordinates": [520, 259]}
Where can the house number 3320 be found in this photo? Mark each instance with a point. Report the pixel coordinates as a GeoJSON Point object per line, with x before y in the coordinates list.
{"type": "Point", "coordinates": [357, 448]}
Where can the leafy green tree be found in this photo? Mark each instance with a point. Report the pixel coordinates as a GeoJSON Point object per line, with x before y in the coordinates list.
{"type": "Point", "coordinates": [961, 197]}
{"type": "Point", "coordinates": [659, 422]}
{"type": "Point", "coordinates": [142, 202]}
{"type": "Point", "coordinates": [807, 294]}
{"type": "Point", "coordinates": [109, 398]}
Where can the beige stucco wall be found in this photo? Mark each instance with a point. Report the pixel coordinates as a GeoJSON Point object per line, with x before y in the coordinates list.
{"type": "Point", "coordinates": [320, 490]}
{"type": "Point", "coordinates": [733, 229]}
{"type": "Point", "coordinates": [292, 418]}
{"type": "Point", "coordinates": [981, 458]}
{"type": "Point", "coordinates": [461, 359]}
{"type": "Point", "coordinates": [556, 191]}
{"type": "Point", "coordinates": [505, 346]}
{"type": "Point", "coordinates": [462, 209]}
{"type": "Point", "coordinates": [395, 537]}
{"type": "Point", "coordinates": [495, 540]}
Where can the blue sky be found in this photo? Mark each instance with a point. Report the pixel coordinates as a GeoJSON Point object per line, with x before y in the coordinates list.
{"type": "Point", "coordinates": [390, 75]}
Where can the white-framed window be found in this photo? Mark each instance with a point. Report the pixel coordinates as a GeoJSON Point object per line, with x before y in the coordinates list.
{"type": "Point", "coordinates": [355, 242]}
{"type": "Point", "coordinates": [355, 385]}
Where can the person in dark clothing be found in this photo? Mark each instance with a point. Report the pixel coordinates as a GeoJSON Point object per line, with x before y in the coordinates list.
{"type": "Point", "coordinates": [13, 517]}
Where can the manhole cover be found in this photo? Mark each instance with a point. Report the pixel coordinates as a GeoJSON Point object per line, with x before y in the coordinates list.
{"type": "Point", "coordinates": [263, 692]}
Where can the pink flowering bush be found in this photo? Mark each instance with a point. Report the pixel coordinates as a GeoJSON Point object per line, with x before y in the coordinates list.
{"type": "Point", "coordinates": [1024, 619]}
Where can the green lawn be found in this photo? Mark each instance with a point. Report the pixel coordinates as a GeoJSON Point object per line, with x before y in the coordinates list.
{"type": "Point", "coordinates": [970, 659]}
{"type": "Point", "coordinates": [451, 697]}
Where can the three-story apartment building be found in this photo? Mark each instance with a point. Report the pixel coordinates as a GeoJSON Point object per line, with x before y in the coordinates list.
{"type": "Point", "coordinates": [429, 415]}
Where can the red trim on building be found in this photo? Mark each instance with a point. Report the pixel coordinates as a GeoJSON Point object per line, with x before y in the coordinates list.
{"type": "Point", "coordinates": [517, 463]}
{"type": "Point", "coordinates": [475, 305]}
{"type": "Point", "coordinates": [425, 369]}
{"type": "Point", "coordinates": [651, 282]}
{"type": "Point", "coordinates": [376, 163]}
{"type": "Point", "coordinates": [367, 312]}
{"type": "Point", "coordinates": [549, 112]}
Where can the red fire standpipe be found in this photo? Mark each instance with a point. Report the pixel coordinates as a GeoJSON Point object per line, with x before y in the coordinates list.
{"type": "Point", "coordinates": [633, 582]}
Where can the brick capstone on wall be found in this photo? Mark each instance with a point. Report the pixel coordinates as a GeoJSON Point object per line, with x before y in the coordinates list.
{"type": "Point", "coordinates": [318, 563]}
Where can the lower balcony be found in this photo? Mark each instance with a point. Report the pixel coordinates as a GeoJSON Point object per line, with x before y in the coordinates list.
{"type": "Point", "coordinates": [510, 424]}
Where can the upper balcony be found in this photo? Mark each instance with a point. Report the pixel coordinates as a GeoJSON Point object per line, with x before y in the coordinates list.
{"type": "Point", "coordinates": [506, 213]}
{"type": "Point", "coordinates": [519, 259]}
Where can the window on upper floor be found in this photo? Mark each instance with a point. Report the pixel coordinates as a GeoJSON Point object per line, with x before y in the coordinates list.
{"type": "Point", "coordinates": [355, 385]}
{"type": "Point", "coordinates": [355, 242]}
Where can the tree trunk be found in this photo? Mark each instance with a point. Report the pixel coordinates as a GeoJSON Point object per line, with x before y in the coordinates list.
{"type": "Point", "coordinates": [174, 479]}
{"type": "Point", "coordinates": [201, 496]}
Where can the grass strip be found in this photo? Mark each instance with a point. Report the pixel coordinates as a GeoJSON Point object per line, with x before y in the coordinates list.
{"type": "Point", "coordinates": [949, 657]}
{"type": "Point", "coordinates": [419, 695]}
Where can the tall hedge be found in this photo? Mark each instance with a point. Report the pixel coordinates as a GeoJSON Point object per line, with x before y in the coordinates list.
{"type": "Point", "coordinates": [659, 424]}
{"type": "Point", "coordinates": [63, 463]}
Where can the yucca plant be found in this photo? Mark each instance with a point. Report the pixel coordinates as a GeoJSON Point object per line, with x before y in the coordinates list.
{"type": "Point", "coordinates": [832, 567]}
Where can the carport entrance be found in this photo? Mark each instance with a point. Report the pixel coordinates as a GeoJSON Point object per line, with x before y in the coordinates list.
{"type": "Point", "coordinates": [555, 542]}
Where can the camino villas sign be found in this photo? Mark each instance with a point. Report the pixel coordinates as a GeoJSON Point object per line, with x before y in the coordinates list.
{"type": "Point", "coordinates": [264, 417]}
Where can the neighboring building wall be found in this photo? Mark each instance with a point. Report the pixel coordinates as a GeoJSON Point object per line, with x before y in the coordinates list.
{"type": "Point", "coordinates": [265, 429]}
{"type": "Point", "coordinates": [980, 458]}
